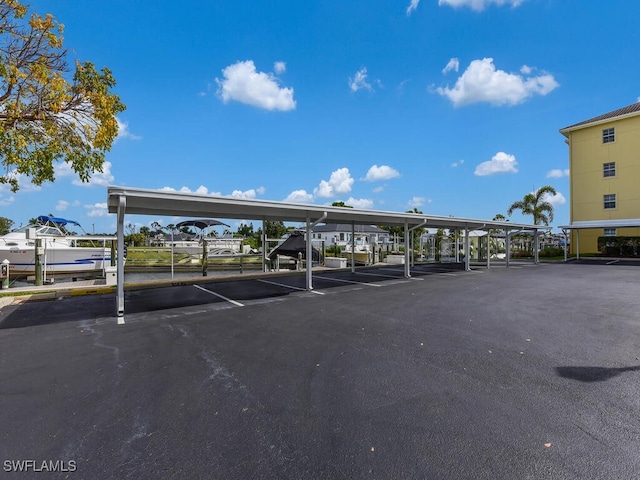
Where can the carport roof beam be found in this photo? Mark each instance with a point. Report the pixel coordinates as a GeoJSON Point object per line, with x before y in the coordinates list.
{"type": "Point", "coordinates": [157, 202]}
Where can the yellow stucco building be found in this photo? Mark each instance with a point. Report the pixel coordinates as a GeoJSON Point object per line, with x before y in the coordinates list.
{"type": "Point", "coordinates": [604, 163]}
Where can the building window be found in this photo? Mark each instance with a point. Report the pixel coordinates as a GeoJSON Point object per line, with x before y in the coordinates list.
{"type": "Point", "coordinates": [609, 169]}
{"type": "Point", "coordinates": [609, 232]}
{"type": "Point", "coordinates": [608, 135]}
{"type": "Point", "coordinates": [610, 201]}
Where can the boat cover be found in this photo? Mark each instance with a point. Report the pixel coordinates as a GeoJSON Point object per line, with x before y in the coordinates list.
{"type": "Point", "coordinates": [294, 245]}
{"type": "Point", "coordinates": [57, 220]}
{"type": "Point", "coordinates": [201, 223]}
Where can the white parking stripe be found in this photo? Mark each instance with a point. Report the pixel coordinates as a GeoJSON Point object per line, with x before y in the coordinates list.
{"type": "Point", "coordinates": [379, 275]}
{"type": "Point", "coordinates": [220, 296]}
{"type": "Point", "coordinates": [401, 279]}
{"type": "Point", "coordinates": [349, 281]}
{"type": "Point", "coordinates": [290, 286]}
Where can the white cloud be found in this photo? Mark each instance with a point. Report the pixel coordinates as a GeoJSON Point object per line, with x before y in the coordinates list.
{"type": "Point", "coordinates": [4, 201]}
{"type": "Point", "coordinates": [299, 196]}
{"type": "Point", "coordinates": [382, 172]}
{"type": "Point", "coordinates": [248, 194]}
{"type": "Point", "coordinates": [359, 81]}
{"type": "Point", "coordinates": [479, 5]}
{"type": "Point", "coordinates": [481, 82]}
{"type": "Point", "coordinates": [500, 163]}
{"type": "Point", "coordinates": [457, 164]}
{"type": "Point", "coordinates": [98, 179]}
{"type": "Point", "coordinates": [63, 169]}
{"type": "Point", "coordinates": [63, 205]}
{"type": "Point", "coordinates": [279, 67]}
{"type": "Point", "coordinates": [359, 202]}
{"type": "Point", "coordinates": [123, 131]}
{"type": "Point", "coordinates": [339, 182]}
{"type": "Point", "coordinates": [454, 64]}
{"type": "Point", "coordinates": [201, 190]}
{"type": "Point", "coordinates": [417, 202]}
{"type": "Point", "coordinates": [244, 84]}
{"type": "Point", "coordinates": [412, 6]}
{"type": "Point", "coordinates": [24, 183]}
{"type": "Point", "coordinates": [555, 200]}
{"type": "Point", "coordinates": [557, 173]}
{"type": "Point", "coordinates": [97, 210]}
{"type": "Point", "coordinates": [378, 189]}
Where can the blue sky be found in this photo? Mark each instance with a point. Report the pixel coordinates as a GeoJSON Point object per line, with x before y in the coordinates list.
{"type": "Point", "coordinates": [449, 106]}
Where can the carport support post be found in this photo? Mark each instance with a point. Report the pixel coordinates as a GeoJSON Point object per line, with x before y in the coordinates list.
{"type": "Point", "coordinates": [309, 248]}
{"type": "Point", "coordinates": [578, 244]}
{"type": "Point", "coordinates": [565, 244]}
{"type": "Point", "coordinates": [265, 246]}
{"type": "Point", "coordinates": [467, 249]}
{"type": "Point", "coordinates": [536, 247]}
{"type": "Point", "coordinates": [309, 255]}
{"type": "Point", "coordinates": [489, 249]}
{"type": "Point", "coordinates": [507, 241]}
{"type": "Point", "coordinates": [456, 242]}
{"type": "Point", "coordinates": [120, 259]}
{"type": "Point", "coordinates": [353, 247]}
{"type": "Point", "coordinates": [412, 242]}
{"type": "Point", "coordinates": [407, 266]}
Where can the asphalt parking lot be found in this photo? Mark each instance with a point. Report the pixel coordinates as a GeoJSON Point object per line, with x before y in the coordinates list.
{"type": "Point", "coordinates": [529, 372]}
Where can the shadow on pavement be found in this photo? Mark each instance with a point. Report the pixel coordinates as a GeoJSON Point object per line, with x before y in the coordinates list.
{"type": "Point", "coordinates": [593, 374]}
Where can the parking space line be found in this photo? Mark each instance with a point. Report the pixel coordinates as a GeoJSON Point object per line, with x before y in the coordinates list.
{"type": "Point", "coordinates": [396, 270]}
{"type": "Point", "coordinates": [348, 281]}
{"type": "Point", "coordinates": [290, 286]}
{"type": "Point", "coordinates": [219, 296]}
{"type": "Point", "coordinates": [401, 277]}
{"type": "Point", "coordinates": [379, 275]}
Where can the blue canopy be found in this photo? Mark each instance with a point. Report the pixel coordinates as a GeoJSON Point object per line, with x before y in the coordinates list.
{"type": "Point", "coordinates": [57, 220]}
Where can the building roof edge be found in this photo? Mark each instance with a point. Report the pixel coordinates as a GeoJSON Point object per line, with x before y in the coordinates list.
{"type": "Point", "coordinates": [624, 112]}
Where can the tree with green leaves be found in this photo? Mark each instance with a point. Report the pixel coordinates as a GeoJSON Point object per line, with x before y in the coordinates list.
{"type": "Point", "coordinates": [534, 204]}
{"type": "Point", "coordinates": [5, 225]}
{"type": "Point", "coordinates": [275, 229]}
{"type": "Point", "coordinates": [399, 230]}
{"type": "Point", "coordinates": [45, 116]}
{"type": "Point", "coordinates": [245, 230]}
{"type": "Point", "coordinates": [340, 204]}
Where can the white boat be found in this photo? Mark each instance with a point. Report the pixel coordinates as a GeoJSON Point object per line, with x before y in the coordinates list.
{"type": "Point", "coordinates": [63, 252]}
{"type": "Point", "coordinates": [362, 252]}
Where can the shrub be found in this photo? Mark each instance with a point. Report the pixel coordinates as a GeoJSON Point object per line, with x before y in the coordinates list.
{"type": "Point", "coordinates": [552, 252]}
{"type": "Point", "coordinates": [619, 246]}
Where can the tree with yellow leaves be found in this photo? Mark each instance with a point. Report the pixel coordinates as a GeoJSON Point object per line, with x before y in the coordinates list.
{"type": "Point", "coordinates": [46, 117]}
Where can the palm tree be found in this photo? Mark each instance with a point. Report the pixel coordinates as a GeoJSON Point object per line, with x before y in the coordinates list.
{"type": "Point", "coordinates": [535, 205]}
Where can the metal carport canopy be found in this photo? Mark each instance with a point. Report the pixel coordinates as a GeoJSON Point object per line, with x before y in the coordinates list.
{"type": "Point", "coordinates": [157, 202]}
{"type": "Point", "coordinates": [139, 201]}
{"type": "Point", "coordinates": [593, 224]}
